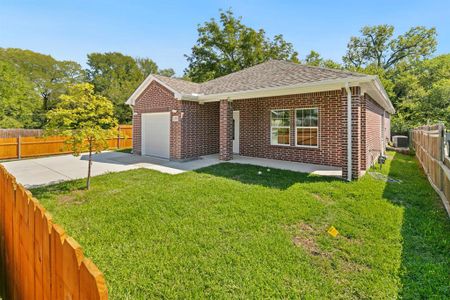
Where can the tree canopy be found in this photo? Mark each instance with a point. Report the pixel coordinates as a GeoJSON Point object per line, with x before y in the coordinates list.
{"type": "Point", "coordinates": [116, 76]}
{"type": "Point", "coordinates": [49, 76]}
{"type": "Point", "coordinates": [19, 103]}
{"type": "Point", "coordinates": [227, 45]}
{"type": "Point", "coordinates": [377, 46]}
{"type": "Point", "coordinates": [315, 59]}
{"type": "Point", "coordinates": [85, 118]}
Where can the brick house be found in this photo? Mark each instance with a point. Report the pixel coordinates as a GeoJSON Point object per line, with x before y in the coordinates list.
{"type": "Point", "coordinates": [277, 110]}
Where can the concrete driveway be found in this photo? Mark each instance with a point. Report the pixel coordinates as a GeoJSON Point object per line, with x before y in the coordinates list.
{"type": "Point", "coordinates": [48, 170]}
{"type": "Point", "coordinates": [53, 169]}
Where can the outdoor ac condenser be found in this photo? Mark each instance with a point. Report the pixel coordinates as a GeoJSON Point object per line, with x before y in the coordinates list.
{"type": "Point", "coordinates": [400, 141]}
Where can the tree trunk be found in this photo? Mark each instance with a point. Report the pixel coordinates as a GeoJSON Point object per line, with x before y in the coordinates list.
{"type": "Point", "coordinates": [88, 182]}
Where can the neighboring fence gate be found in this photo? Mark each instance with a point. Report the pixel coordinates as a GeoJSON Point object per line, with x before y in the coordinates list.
{"type": "Point", "coordinates": [37, 259]}
{"type": "Point", "coordinates": [429, 143]}
{"type": "Point", "coordinates": [16, 143]}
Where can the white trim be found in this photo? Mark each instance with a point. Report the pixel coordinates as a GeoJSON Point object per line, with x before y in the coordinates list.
{"type": "Point", "coordinates": [318, 128]}
{"type": "Point", "coordinates": [150, 78]}
{"type": "Point", "coordinates": [288, 127]}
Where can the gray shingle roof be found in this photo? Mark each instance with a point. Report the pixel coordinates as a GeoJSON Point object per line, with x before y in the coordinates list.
{"type": "Point", "coordinates": [273, 73]}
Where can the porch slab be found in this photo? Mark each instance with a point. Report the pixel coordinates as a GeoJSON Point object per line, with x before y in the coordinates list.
{"type": "Point", "coordinates": [283, 165]}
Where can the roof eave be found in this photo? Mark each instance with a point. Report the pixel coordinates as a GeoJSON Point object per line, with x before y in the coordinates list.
{"type": "Point", "coordinates": [311, 87]}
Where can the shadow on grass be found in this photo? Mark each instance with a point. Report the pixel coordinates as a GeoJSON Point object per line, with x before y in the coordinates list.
{"type": "Point", "coordinates": [425, 266]}
{"type": "Point", "coordinates": [263, 176]}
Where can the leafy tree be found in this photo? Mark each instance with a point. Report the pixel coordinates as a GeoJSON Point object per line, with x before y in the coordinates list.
{"type": "Point", "coordinates": [167, 72]}
{"type": "Point", "coordinates": [49, 76]}
{"type": "Point", "coordinates": [116, 76]}
{"type": "Point", "coordinates": [20, 105]}
{"type": "Point", "coordinates": [146, 66]}
{"type": "Point", "coordinates": [227, 46]}
{"type": "Point", "coordinates": [85, 118]}
{"type": "Point", "coordinates": [315, 59]}
{"type": "Point", "coordinates": [378, 47]}
{"type": "Point", "coordinates": [421, 91]}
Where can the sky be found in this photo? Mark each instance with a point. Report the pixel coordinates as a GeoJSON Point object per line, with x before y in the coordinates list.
{"type": "Point", "coordinates": [166, 30]}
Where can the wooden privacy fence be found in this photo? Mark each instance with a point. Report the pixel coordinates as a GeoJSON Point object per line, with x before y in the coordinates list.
{"type": "Point", "coordinates": [37, 259]}
{"type": "Point", "coordinates": [429, 144]}
{"type": "Point", "coordinates": [29, 146]}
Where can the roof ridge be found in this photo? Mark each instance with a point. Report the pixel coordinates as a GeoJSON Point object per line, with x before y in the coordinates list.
{"type": "Point", "coordinates": [175, 78]}
{"type": "Point", "coordinates": [321, 68]}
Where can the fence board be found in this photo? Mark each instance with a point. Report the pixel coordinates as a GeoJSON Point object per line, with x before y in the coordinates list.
{"type": "Point", "coordinates": [31, 146]}
{"type": "Point", "coordinates": [37, 259]}
{"type": "Point", "coordinates": [428, 142]}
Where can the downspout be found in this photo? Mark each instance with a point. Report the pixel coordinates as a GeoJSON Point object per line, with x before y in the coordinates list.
{"type": "Point", "coordinates": [349, 132]}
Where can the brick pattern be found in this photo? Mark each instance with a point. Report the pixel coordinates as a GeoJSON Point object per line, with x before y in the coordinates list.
{"type": "Point", "coordinates": [374, 117]}
{"type": "Point", "coordinates": [193, 132]}
{"type": "Point", "coordinates": [156, 98]}
{"type": "Point", "coordinates": [203, 129]}
{"type": "Point", "coordinates": [255, 128]}
{"type": "Point", "coordinates": [226, 131]}
{"type": "Point", "coordinates": [200, 129]}
{"type": "Point", "coordinates": [356, 132]}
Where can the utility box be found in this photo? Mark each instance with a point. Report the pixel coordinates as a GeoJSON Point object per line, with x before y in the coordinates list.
{"type": "Point", "coordinates": [400, 141]}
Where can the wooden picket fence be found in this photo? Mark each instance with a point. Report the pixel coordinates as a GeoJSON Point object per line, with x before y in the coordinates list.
{"type": "Point", "coordinates": [429, 144]}
{"type": "Point", "coordinates": [30, 146]}
{"type": "Point", "coordinates": [37, 259]}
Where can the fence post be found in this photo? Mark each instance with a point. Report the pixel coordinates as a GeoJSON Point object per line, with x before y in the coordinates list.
{"type": "Point", "coordinates": [19, 147]}
{"type": "Point", "coordinates": [118, 138]}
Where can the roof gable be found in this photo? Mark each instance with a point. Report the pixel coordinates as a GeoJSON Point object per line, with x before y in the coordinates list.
{"type": "Point", "coordinates": [268, 77]}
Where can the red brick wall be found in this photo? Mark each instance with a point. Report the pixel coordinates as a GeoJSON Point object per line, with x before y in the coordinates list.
{"type": "Point", "coordinates": [156, 98]}
{"type": "Point", "coordinates": [374, 116]}
{"type": "Point", "coordinates": [200, 129]}
{"type": "Point", "coordinates": [226, 130]}
{"type": "Point", "coordinates": [255, 127]}
{"type": "Point", "coordinates": [195, 133]}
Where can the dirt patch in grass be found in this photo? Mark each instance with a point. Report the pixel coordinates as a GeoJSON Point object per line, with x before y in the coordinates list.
{"type": "Point", "coordinates": [305, 237]}
{"type": "Point", "coordinates": [75, 197]}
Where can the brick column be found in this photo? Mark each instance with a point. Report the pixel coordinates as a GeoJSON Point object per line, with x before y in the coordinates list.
{"type": "Point", "coordinates": [226, 131]}
{"type": "Point", "coordinates": [356, 133]}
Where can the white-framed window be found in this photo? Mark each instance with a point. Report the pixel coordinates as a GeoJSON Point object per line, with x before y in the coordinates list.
{"type": "Point", "coordinates": [280, 127]}
{"type": "Point", "coordinates": [307, 127]}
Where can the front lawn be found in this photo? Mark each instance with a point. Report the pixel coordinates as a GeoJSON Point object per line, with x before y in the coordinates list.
{"type": "Point", "coordinates": [227, 232]}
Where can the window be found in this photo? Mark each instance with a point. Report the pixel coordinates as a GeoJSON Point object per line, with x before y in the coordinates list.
{"type": "Point", "coordinates": [307, 127]}
{"type": "Point", "coordinates": [280, 127]}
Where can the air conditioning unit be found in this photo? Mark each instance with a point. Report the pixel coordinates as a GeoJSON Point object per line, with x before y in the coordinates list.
{"type": "Point", "coordinates": [400, 141]}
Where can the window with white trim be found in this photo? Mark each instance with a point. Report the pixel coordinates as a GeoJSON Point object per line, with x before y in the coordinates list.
{"type": "Point", "coordinates": [280, 127]}
{"type": "Point", "coordinates": [307, 127]}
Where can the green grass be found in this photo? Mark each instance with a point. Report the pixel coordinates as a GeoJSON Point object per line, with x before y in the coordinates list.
{"type": "Point", "coordinates": [227, 232]}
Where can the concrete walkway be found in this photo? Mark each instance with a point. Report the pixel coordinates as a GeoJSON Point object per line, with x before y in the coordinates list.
{"type": "Point", "coordinates": [49, 170]}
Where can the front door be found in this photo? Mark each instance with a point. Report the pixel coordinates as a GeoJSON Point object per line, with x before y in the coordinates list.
{"type": "Point", "coordinates": [236, 132]}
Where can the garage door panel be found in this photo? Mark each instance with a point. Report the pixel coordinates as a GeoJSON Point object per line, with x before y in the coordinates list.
{"type": "Point", "coordinates": [156, 134]}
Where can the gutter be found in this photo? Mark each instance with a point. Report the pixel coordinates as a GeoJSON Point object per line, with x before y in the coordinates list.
{"type": "Point", "coordinates": [349, 131]}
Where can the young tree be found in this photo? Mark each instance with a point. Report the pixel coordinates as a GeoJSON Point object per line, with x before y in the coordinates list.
{"type": "Point", "coordinates": [377, 46]}
{"type": "Point", "coordinates": [86, 119]}
{"type": "Point", "coordinates": [228, 46]}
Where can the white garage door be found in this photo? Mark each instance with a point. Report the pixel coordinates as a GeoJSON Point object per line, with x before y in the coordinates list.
{"type": "Point", "coordinates": [156, 134]}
